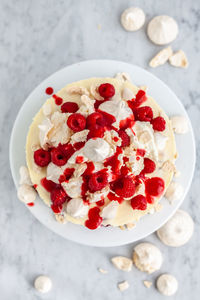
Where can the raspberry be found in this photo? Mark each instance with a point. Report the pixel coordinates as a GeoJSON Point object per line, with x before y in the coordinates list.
{"type": "Point", "coordinates": [78, 145]}
{"type": "Point", "coordinates": [98, 181]}
{"type": "Point", "coordinates": [95, 131]}
{"type": "Point", "coordinates": [143, 113]}
{"type": "Point", "coordinates": [106, 90]}
{"type": "Point", "coordinates": [76, 122]}
{"type": "Point", "coordinates": [42, 158]}
{"type": "Point", "coordinates": [139, 99]}
{"type": "Point", "coordinates": [139, 202]}
{"type": "Point", "coordinates": [95, 118]}
{"type": "Point", "coordinates": [127, 123]}
{"type": "Point", "coordinates": [58, 196]}
{"type": "Point", "coordinates": [69, 107]}
{"type": "Point", "coordinates": [149, 166]}
{"type": "Point", "coordinates": [67, 150]}
{"type": "Point", "coordinates": [113, 197]}
{"type": "Point", "coordinates": [108, 118]}
{"type": "Point", "coordinates": [154, 186]}
{"type": "Point", "coordinates": [125, 138]}
{"type": "Point", "coordinates": [90, 168]}
{"type": "Point", "coordinates": [158, 123]}
{"type": "Point", "coordinates": [57, 157]}
{"type": "Point", "coordinates": [66, 175]}
{"type": "Point", "coordinates": [48, 185]}
{"type": "Point", "coordinates": [124, 187]}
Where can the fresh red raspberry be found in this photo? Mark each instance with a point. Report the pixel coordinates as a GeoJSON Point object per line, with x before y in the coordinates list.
{"type": "Point", "coordinates": [124, 170]}
{"type": "Point", "coordinates": [139, 99]}
{"type": "Point", "coordinates": [125, 138]}
{"type": "Point", "coordinates": [154, 186]}
{"type": "Point", "coordinates": [67, 150]}
{"type": "Point", "coordinates": [124, 187]}
{"type": "Point", "coordinates": [127, 123]}
{"type": "Point", "coordinates": [57, 157]}
{"type": "Point", "coordinates": [95, 118]}
{"type": "Point", "coordinates": [66, 175]}
{"type": "Point", "coordinates": [90, 168]}
{"type": "Point", "coordinates": [106, 90]}
{"type": "Point", "coordinates": [95, 131]}
{"type": "Point", "coordinates": [58, 196]}
{"type": "Point", "coordinates": [112, 197]}
{"type": "Point", "coordinates": [78, 145]}
{"type": "Point", "coordinates": [149, 166]}
{"type": "Point", "coordinates": [98, 181]}
{"type": "Point", "coordinates": [158, 123]}
{"type": "Point", "coordinates": [42, 158]}
{"type": "Point", "coordinates": [76, 122]}
{"type": "Point", "coordinates": [144, 114]}
{"type": "Point", "coordinates": [48, 185]}
{"type": "Point", "coordinates": [69, 107]}
{"type": "Point", "coordinates": [108, 118]}
{"type": "Point", "coordinates": [139, 202]}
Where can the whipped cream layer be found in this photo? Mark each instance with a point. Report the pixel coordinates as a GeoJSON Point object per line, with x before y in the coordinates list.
{"type": "Point", "coordinates": [49, 130]}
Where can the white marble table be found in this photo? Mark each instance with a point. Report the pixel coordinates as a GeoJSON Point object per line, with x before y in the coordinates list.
{"type": "Point", "coordinates": [36, 39]}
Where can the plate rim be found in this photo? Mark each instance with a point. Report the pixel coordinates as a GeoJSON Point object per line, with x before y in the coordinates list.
{"type": "Point", "coordinates": [103, 61]}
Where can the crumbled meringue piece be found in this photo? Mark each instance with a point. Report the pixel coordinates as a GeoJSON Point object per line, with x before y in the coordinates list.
{"type": "Point", "coordinates": [87, 105]}
{"type": "Point", "coordinates": [160, 141]}
{"type": "Point", "coordinates": [97, 150]}
{"type": "Point", "coordinates": [26, 193]}
{"type": "Point", "coordinates": [179, 124]}
{"type": "Point", "coordinates": [147, 257]}
{"type": "Point", "coordinates": [178, 230]}
{"type": "Point", "coordinates": [127, 94]}
{"type": "Point", "coordinates": [119, 109]}
{"type": "Point", "coordinates": [47, 109]}
{"type": "Point", "coordinates": [133, 18]}
{"type": "Point", "coordinates": [179, 59]}
{"type": "Point", "coordinates": [44, 129]}
{"type": "Point", "coordinates": [60, 218]}
{"type": "Point", "coordinates": [123, 76]}
{"type": "Point", "coordinates": [122, 227]}
{"type": "Point", "coordinates": [162, 30]}
{"type": "Point", "coordinates": [80, 136]}
{"type": "Point", "coordinates": [99, 195]}
{"type": "Point", "coordinates": [130, 226]}
{"type": "Point", "coordinates": [80, 90]}
{"type": "Point", "coordinates": [103, 271]}
{"type": "Point", "coordinates": [24, 176]}
{"type": "Point", "coordinates": [168, 167]}
{"type": "Point", "coordinates": [122, 263]}
{"type": "Point", "coordinates": [72, 159]}
{"type": "Point", "coordinates": [73, 187]}
{"type": "Point", "coordinates": [98, 166]}
{"type": "Point", "coordinates": [43, 284]}
{"type": "Point", "coordinates": [54, 172]}
{"type": "Point", "coordinates": [109, 136]}
{"type": "Point", "coordinates": [109, 211]}
{"type": "Point", "coordinates": [135, 165]}
{"type": "Point", "coordinates": [161, 57]}
{"type": "Point", "coordinates": [95, 93]}
{"type": "Point", "coordinates": [167, 284]}
{"type": "Point", "coordinates": [147, 283]}
{"type": "Point", "coordinates": [60, 133]}
{"type": "Point", "coordinates": [76, 208]}
{"type": "Point", "coordinates": [124, 285]}
{"type": "Point", "coordinates": [174, 191]}
{"type": "Point", "coordinates": [79, 169]}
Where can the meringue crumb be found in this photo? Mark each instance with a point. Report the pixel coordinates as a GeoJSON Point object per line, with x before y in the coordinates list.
{"type": "Point", "coordinates": [147, 283]}
{"type": "Point", "coordinates": [122, 263]}
{"type": "Point", "coordinates": [161, 57]}
{"type": "Point", "coordinates": [122, 227]}
{"type": "Point", "coordinates": [60, 219]}
{"type": "Point", "coordinates": [102, 271]}
{"type": "Point", "coordinates": [179, 59]}
{"type": "Point", "coordinates": [122, 286]}
{"type": "Point", "coordinates": [130, 226]}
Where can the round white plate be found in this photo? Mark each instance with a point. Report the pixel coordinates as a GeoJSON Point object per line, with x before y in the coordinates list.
{"type": "Point", "coordinates": [103, 237]}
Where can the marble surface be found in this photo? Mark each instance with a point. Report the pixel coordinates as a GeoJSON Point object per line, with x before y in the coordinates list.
{"type": "Point", "coordinates": [36, 39]}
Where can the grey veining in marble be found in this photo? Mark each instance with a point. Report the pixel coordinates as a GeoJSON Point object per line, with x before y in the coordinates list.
{"type": "Point", "coordinates": [36, 39]}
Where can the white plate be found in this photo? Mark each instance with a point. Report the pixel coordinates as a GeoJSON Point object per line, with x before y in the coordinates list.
{"type": "Point", "coordinates": [103, 237]}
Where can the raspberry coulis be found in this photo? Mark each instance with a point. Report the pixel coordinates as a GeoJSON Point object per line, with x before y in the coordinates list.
{"type": "Point", "coordinates": [49, 90]}
{"type": "Point", "coordinates": [30, 204]}
{"type": "Point", "coordinates": [58, 100]}
{"type": "Point", "coordinates": [94, 219]}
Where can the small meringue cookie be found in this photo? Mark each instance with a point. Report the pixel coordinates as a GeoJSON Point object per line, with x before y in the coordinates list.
{"type": "Point", "coordinates": [167, 284]}
{"type": "Point", "coordinates": [76, 208]}
{"type": "Point", "coordinates": [179, 124]}
{"type": "Point", "coordinates": [110, 210]}
{"type": "Point", "coordinates": [178, 230]}
{"type": "Point", "coordinates": [179, 59]}
{"type": "Point", "coordinates": [147, 257]}
{"type": "Point", "coordinates": [133, 18]}
{"type": "Point", "coordinates": [162, 30]}
{"type": "Point", "coordinates": [73, 187]}
{"type": "Point", "coordinates": [122, 263]}
{"type": "Point", "coordinates": [24, 176]}
{"type": "Point", "coordinates": [43, 284]}
{"type": "Point", "coordinates": [96, 150]}
{"type": "Point", "coordinates": [174, 191]}
{"type": "Point", "coordinates": [26, 193]}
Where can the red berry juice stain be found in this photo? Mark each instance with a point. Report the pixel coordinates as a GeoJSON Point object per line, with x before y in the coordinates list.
{"type": "Point", "coordinates": [30, 204]}
{"type": "Point", "coordinates": [58, 100]}
{"type": "Point", "coordinates": [49, 91]}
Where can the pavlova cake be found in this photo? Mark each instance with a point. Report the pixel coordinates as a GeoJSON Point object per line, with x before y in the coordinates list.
{"type": "Point", "coordinates": [101, 152]}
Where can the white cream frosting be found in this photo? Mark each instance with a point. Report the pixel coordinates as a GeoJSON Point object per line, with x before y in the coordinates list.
{"type": "Point", "coordinates": [110, 210]}
{"type": "Point", "coordinates": [179, 124]}
{"type": "Point", "coordinates": [127, 94]}
{"type": "Point", "coordinates": [76, 208]}
{"type": "Point", "coordinates": [133, 18]}
{"type": "Point", "coordinates": [167, 284]}
{"type": "Point", "coordinates": [160, 141]}
{"type": "Point", "coordinates": [73, 187]}
{"type": "Point", "coordinates": [43, 284]}
{"type": "Point", "coordinates": [24, 176]}
{"type": "Point", "coordinates": [97, 150]}
{"type": "Point", "coordinates": [119, 109]}
{"type": "Point", "coordinates": [26, 193]}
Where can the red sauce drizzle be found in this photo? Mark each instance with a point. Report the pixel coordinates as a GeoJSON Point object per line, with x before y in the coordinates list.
{"type": "Point", "coordinates": [140, 152]}
{"type": "Point", "coordinates": [112, 197]}
{"type": "Point", "coordinates": [56, 208]}
{"type": "Point", "coordinates": [30, 204]}
{"type": "Point", "coordinates": [35, 186]}
{"type": "Point", "coordinates": [49, 91]}
{"type": "Point", "coordinates": [58, 100]}
{"type": "Point", "coordinates": [94, 219]}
